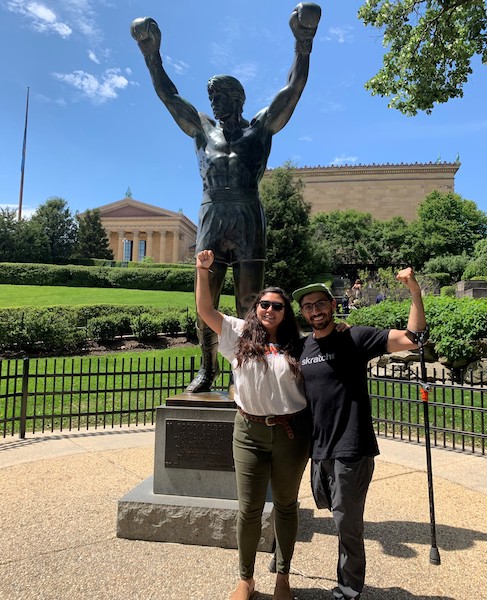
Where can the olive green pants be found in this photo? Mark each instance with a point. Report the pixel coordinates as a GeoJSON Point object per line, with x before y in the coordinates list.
{"type": "Point", "coordinates": [264, 454]}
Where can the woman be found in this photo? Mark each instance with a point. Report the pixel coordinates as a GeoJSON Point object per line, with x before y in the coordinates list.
{"type": "Point", "coordinates": [271, 433]}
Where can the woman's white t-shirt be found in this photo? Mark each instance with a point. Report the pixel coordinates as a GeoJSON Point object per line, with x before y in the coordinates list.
{"type": "Point", "coordinates": [260, 391]}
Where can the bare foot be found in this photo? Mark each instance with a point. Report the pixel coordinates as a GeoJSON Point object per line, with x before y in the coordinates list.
{"type": "Point", "coordinates": [244, 590]}
{"type": "Point", "coordinates": [282, 591]}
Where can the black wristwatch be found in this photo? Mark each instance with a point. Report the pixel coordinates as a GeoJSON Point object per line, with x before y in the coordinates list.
{"type": "Point", "coordinates": [418, 337]}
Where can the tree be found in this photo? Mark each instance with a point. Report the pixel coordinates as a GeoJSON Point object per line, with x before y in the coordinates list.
{"type": "Point", "coordinates": [55, 219]}
{"type": "Point", "coordinates": [430, 48]}
{"type": "Point", "coordinates": [393, 243]}
{"type": "Point", "coordinates": [453, 265]}
{"type": "Point", "coordinates": [21, 241]}
{"type": "Point", "coordinates": [8, 231]}
{"type": "Point", "coordinates": [346, 237]}
{"type": "Point", "coordinates": [478, 266]}
{"type": "Point", "coordinates": [448, 225]}
{"type": "Point", "coordinates": [92, 237]}
{"type": "Point", "coordinates": [290, 262]}
{"type": "Point", "coordinates": [32, 243]}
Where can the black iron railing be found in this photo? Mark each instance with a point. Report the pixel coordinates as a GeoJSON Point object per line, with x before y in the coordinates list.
{"type": "Point", "coordinates": [38, 395]}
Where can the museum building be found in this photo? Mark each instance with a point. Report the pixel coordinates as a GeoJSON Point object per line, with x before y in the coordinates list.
{"type": "Point", "coordinates": [384, 191]}
{"type": "Point", "coordinates": [136, 229]}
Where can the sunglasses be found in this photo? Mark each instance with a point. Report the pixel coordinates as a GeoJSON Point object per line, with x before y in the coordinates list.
{"type": "Point", "coordinates": [277, 306]}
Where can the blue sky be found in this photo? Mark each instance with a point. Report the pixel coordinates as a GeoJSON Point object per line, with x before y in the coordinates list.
{"type": "Point", "coordinates": [97, 128]}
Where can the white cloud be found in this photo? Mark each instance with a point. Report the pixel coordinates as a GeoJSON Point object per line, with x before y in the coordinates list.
{"type": "Point", "coordinates": [342, 35]}
{"type": "Point", "coordinates": [42, 18]}
{"type": "Point", "coordinates": [61, 16]}
{"type": "Point", "coordinates": [92, 56]}
{"type": "Point", "coordinates": [98, 90]}
{"type": "Point", "coordinates": [245, 72]}
{"type": "Point", "coordinates": [221, 54]}
{"type": "Point", "coordinates": [178, 66]}
{"type": "Point", "coordinates": [343, 160]}
{"type": "Point", "coordinates": [306, 138]}
{"type": "Point", "coordinates": [26, 211]}
{"type": "Point", "coordinates": [330, 106]}
{"type": "Point", "coordinates": [83, 14]}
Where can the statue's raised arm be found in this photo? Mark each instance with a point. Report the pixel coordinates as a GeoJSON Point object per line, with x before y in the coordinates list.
{"type": "Point", "coordinates": [147, 34]}
{"type": "Point", "coordinates": [304, 23]}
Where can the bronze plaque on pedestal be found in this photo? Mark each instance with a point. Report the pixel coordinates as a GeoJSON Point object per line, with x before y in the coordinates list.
{"type": "Point", "coordinates": [192, 444]}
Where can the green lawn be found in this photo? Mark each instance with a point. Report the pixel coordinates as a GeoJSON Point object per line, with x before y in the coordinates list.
{"type": "Point", "coordinates": [13, 296]}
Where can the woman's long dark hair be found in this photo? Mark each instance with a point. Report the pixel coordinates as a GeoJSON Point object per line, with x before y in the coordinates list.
{"type": "Point", "coordinates": [253, 340]}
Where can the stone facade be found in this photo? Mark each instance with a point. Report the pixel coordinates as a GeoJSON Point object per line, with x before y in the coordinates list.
{"type": "Point", "coordinates": [384, 191]}
{"type": "Point", "coordinates": [136, 229]}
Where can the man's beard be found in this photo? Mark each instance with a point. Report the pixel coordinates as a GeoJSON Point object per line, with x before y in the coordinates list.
{"type": "Point", "coordinates": [322, 324]}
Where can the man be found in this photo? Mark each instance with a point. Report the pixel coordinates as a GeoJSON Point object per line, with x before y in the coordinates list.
{"type": "Point", "coordinates": [232, 155]}
{"type": "Point", "coordinates": [334, 367]}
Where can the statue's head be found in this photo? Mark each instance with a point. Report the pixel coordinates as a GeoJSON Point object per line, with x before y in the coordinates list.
{"type": "Point", "coordinates": [228, 86]}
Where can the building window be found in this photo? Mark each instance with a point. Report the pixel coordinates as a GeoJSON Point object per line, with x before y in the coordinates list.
{"type": "Point", "coordinates": [127, 250]}
{"type": "Point", "coordinates": [142, 249]}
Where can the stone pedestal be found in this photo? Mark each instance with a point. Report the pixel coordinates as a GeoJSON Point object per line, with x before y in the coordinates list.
{"type": "Point", "coordinates": [192, 496]}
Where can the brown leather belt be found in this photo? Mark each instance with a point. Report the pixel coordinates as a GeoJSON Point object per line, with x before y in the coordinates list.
{"type": "Point", "coordinates": [271, 420]}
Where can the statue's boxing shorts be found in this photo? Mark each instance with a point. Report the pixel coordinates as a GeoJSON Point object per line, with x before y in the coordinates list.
{"type": "Point", "coordinates": [232, 224]}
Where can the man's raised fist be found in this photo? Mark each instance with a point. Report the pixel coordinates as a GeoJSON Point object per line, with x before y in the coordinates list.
{"type": "Point", "coordinates": [304, 23]}
{"type": "Point", "coordinates": [147, 34]}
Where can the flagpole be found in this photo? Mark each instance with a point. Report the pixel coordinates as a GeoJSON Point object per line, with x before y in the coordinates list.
{"type": "Point", "coordinates": [24, 147]}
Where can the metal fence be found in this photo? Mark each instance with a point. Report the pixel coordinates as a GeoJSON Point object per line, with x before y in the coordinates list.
{"type": "Point", "coordinates": [58, 394]}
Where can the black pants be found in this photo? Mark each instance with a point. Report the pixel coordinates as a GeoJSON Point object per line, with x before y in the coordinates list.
{"type": "Point", "coordinates": [341, 486]}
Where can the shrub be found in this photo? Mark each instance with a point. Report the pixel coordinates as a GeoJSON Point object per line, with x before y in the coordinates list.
{"type": "Point", "coordinates": [106, 328]}
{"type": "Point", "coordinates": [145, 326]}
{"type": "Point", "coordinates": [456, 324]}
{"type": "Point", "coordinates": [170, 324]}
{"type": "Point", "coordinates": [448, 290]}
{"type": "Point", "coordinates": [441, 279]}
{"type": "Point", "coordinates": [188, 325]}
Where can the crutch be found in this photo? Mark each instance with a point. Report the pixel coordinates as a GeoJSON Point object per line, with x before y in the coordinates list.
{"type": "Point", "coordinates": [425, 387]}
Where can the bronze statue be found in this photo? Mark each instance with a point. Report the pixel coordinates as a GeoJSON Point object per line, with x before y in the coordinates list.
{"type": "Point", "coordinates": [232, 154]}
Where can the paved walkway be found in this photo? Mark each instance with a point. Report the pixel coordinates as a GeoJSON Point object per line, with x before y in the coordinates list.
{"type": "Point", "coordinates": [58, 505]}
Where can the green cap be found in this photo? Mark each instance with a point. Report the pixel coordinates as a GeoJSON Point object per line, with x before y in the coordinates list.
{"type": "Point", "coordinates": [309, 289]}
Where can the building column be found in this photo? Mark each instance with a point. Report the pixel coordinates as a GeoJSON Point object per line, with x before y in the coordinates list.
{"type": "Point", "coordinates": [162, 247]}
{"type": "Point", "coordinates": [175, 246]}
{"type": "Point", "coordinates": [148, 248]}
{"type": "Point", "coordinates": [119, 255]}
{"type": "Point", "coordinates": [135, 246]}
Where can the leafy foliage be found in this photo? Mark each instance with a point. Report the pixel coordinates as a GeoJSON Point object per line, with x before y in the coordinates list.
{"type": "Point", "coordinates": [478, 266]}
{"type": "Point", "coordinates": [92, 241]}
{"type": "Point", "coordinates": [449, 225]}
{"type": "Point", "coordinates": [55, 330]}
{"type": "Point", "coordinates": [454, 266]}
{"type": "Point", "coordinates": [456, 325]}
{"type": "Point", "coordinates": [346, 237]}
{"type": "Point", "coordinates": [55, 220]}
{"type": "Point", "coordinates": [430, 48]}
{"type": "Point", "coordinates": [21, 241]}
{"type": "Point", "coordinates": [290, 260]}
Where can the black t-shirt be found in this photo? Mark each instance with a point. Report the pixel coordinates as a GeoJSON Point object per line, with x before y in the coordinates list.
{"type": "Point", "coordinates": [335, 376]}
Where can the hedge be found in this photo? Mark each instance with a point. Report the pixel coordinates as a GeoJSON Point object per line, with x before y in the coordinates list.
{"type": "Point", "coordinates": [179, 278]}
{"type": "Point", "coordinates": [457, 325]}
{"type": "Point", "coordinates": [58, 330]}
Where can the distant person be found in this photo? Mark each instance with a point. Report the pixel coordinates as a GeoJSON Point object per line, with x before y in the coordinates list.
{"type": "Point", "coordinates": [232, 155]}
{"type": "Point", "coordinates": [381, 296]}
{"type": "Point", "coordinates": [357, 293]}
{"type": "Point", "coordinates": [343, 445]}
